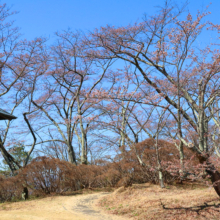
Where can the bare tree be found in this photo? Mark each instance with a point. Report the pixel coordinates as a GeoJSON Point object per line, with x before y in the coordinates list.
{"type": "Point", "coordinates": [157, 45]}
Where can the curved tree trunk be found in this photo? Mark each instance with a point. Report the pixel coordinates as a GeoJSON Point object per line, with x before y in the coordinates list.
{"type": "Point", "coordinates": [215, 178]}
{"type": "Point", "coordinates": [211, 170]}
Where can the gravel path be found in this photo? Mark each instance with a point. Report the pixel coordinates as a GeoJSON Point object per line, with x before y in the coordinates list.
{"type": "Point", "coordinates": [85, 206]}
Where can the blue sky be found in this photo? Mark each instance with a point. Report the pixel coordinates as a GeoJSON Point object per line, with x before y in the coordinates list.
{"type": "Point", "coordinates": [44, 17]}
{"type": "Point", "coordinates": [38, 18]}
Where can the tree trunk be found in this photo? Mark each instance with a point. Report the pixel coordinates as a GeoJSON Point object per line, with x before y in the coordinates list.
{"type": "Point", "coordinates": [9, 158]}
{"type": "Point", "coordinates": [24, 194]}
{"type": "Point", "coordinates": [161, 179]}
{"type": "Point", "coordinates": [181, 171]}
{"type": "Point", "coordinates": [215, 178]}
{"type": "Point", "coordinates": [83, 149]}
{"type": "Point", "coordinates": [159, 163]}
{"type": "Point", "coordinates": [71, 154]}
{"type": "Point", "coordinates": [214, 174]}
{"type": "Point", "coordinates": [122, 131]}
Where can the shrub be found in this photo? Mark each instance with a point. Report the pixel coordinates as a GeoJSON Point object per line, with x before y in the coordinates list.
{"type": "Point", "coordinates": [10, 189]}
{"type": "Point", "coordinates": [46, 176]}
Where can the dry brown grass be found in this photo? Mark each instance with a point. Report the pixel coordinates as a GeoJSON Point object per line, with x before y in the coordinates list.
{"type": "Point", "coordinates": [145, 201]}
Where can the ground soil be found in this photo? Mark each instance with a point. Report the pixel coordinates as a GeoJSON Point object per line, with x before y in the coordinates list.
{"type": "Point", "coordinates": [150, 202]}
{"type": "Point", "coordinates": [77, 207]}
{"type": "Point", "coordinates": [139, 202]}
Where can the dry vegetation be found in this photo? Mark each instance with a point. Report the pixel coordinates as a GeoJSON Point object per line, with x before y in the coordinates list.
{"type": "Point", "coordinates": [45, 175]}
{"type": "Point", "coordinates": [138, 198]}
{"type": "Point", "coordinates": [146, 201]}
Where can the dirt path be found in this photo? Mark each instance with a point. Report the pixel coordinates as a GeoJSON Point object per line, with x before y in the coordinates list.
{"type": "Point", "coordinates": [80, 207]}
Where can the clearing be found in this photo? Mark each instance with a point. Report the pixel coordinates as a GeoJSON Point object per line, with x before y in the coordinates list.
{"type": "Point", "coordinates": [146, 201]}
{"type": "Point", "coordinates": [141, 202]}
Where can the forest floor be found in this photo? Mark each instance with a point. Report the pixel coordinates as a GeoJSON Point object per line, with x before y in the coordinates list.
{"type": "Point", "coordinates": [141, 201]}
{"type": "Point", "coordinates": [146, 201]}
